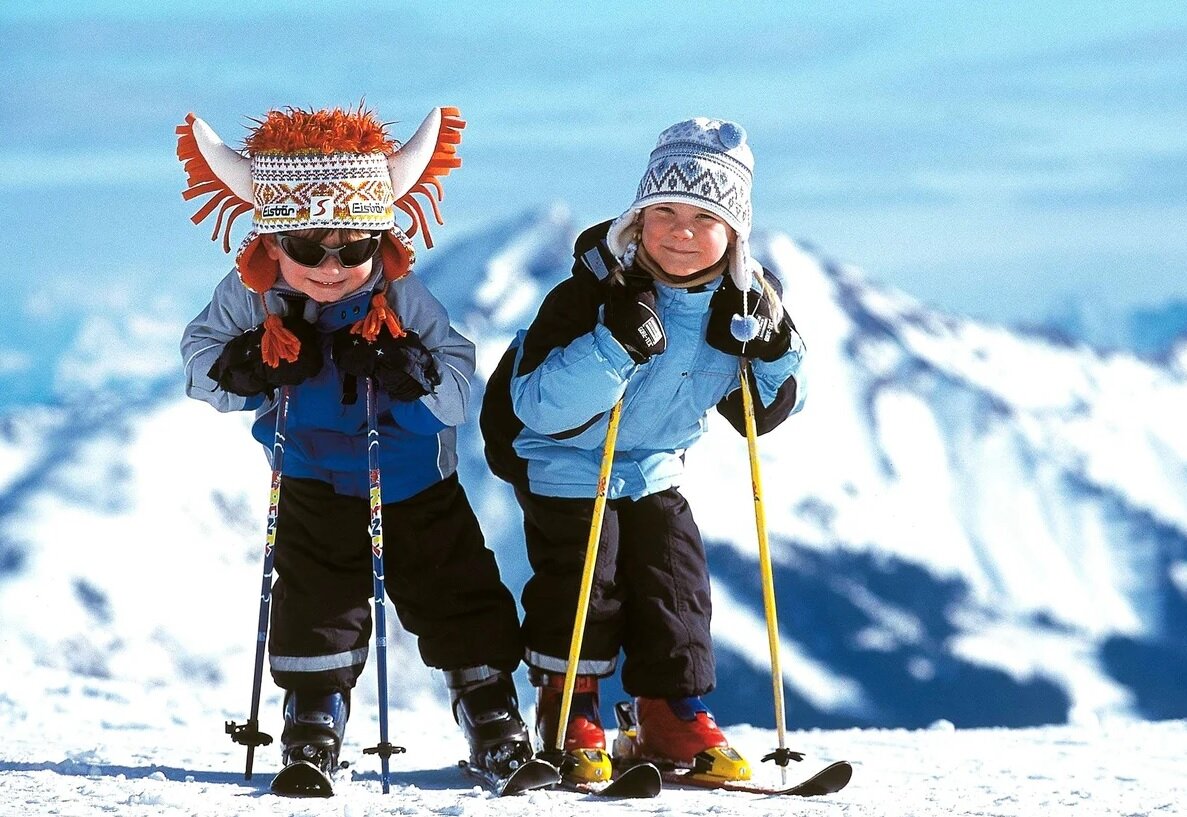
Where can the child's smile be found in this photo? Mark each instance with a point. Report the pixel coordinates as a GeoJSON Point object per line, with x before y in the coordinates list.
{"type": "Point", "coordinates": [327, 282]}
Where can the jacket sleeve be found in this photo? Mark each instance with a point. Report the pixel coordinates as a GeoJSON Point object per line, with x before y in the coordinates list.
{"type": "Point", "coordinates": [570, 369]}
{"type": "Point", "coordinates": [453, 353]}
{"type": "Point", "coordinates": [232, 310]}
{"type": "Point", "coordinates": [777, 387]}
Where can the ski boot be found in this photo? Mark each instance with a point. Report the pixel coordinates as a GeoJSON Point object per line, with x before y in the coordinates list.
{"type": "Point", "coordinates": [585, 759]}
{"type": "Point", "coordinates": [485, 706]}
{"type": "Point", "coordinates": [677, 733]}
{"type": "Point", "coordinates": [314, 724]}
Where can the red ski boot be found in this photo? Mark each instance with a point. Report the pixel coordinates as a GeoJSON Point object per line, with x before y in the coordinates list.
{"type": "Point", "coordinates": [681, 732]}
{"type": "Point", "coordinates": [585, 757]}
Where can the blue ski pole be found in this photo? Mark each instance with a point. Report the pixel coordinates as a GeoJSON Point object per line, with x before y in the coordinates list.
{"type": "Point", "coordinates": [249, 734]}
{"type": "Point", "coordinates": [385, 749]}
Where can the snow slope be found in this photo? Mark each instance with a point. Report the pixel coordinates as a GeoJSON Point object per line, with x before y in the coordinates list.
{"type": "Point", "coordinates": [90, 747]}
{"type": "Point", "coordinates": [970, 526]}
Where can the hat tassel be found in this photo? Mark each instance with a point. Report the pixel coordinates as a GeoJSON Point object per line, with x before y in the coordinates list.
{"type": "Point", "coordinates": [278, 342]}
{"type": "Point", "coordinates": [380, 315]}
{"type": "Point", "coordinates": [744, 327]}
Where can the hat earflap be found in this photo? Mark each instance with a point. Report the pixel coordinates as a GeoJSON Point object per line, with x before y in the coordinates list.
{"type": "Point", "coordinates": [397, 254]}
{"type": "Point", "coordinates": [257, 270]}
{"type": "Point", "coordinates": [622, 237]}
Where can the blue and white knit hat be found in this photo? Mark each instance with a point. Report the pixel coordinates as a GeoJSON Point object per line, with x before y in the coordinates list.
{"type": "Point", "coordinates": [705, 163]}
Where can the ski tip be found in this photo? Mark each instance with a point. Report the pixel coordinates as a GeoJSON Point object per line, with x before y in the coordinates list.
{"type": "Point", "coordinates": [534, 774]}
{"type": "Point", "coordinates": [642, 780]}
{"type": "Point", "coordinates": [302, 779]}
{"type": "Point", "coordinates": [829, 780]}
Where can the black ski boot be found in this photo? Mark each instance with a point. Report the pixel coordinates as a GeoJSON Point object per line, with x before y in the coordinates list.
{"type": "Point", "coordinates": [314, 724]}
{"type": "Point", "coordinates": [485, 706]}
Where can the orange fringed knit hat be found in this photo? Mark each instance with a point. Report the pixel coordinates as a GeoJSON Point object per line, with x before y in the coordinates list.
{"type": "Point", "coordinates": [332, 169]}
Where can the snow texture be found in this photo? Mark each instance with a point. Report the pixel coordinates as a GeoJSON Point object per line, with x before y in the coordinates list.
{"type": "Point", "coordinates": [971, 529]}
{"type": "Point", "coordinates": [83, 747]}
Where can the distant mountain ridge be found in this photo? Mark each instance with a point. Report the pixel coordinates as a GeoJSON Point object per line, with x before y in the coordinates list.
{"type": "Point", "coordinates": [967, 523]}
{"type": "Point", "coordinates": [1156, 332]}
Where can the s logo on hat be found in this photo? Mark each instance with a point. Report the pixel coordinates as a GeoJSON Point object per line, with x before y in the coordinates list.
{"type": "Point", "coordinates": [321, 209]}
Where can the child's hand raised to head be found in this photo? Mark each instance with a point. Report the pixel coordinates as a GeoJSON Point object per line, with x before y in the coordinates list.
{"type": "Point", "coordinates": [241, 369]}
{"type": "Point", "coordinates": [401, 366]}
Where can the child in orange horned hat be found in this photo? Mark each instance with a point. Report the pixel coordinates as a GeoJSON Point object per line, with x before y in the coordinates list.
{"type": "Point", "coordinates": [323, 296]}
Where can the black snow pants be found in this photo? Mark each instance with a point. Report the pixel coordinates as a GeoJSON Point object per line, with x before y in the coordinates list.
{"type": "Point", "coordinates": [650, 595]}
{"type": "Point", "coordinates": [443, 582]}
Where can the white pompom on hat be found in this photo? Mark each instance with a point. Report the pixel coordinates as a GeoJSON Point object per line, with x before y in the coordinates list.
{"type": "Point", "coordinates": [708, 164]}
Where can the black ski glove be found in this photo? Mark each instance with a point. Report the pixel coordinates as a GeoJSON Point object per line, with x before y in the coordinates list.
{"type": "Point", "coordinates": [402, 367]}
{"type": "Point", "coordinates": [773, 339]}
{"type": "Point", "coordinates": [241, 369]}
{"type": "Point", "coordinates": [632, 318]}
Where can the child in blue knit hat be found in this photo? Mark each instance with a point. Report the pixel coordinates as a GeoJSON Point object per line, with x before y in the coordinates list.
{"type": "Point", "coordinates": [663, 305]}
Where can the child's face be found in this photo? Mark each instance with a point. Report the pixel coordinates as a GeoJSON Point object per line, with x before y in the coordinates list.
{"type": "Point", "coordinates": [331, 280]}
{"type": "Point", "coordinates": [684, 239]}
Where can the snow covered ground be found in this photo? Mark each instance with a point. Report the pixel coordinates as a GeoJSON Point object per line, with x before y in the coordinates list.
{"type": "Point", "coordinates": [82, 747]}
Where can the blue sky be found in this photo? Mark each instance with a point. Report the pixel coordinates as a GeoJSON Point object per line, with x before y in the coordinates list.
{"type": "Point", "coordinates": [998, 159]}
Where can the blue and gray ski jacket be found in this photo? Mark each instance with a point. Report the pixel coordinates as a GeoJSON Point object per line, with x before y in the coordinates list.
{"type": "Point", "coordinates": [326, 435]}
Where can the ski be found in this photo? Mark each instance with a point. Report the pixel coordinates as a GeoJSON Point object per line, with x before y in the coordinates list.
{"type": "Point", "coordinates": [302, 779]}
{"type": "Point", "coordinates": [640, 781]}
{"type": "Point", "coordinates": [534, 774]}
{"type": "Point", "coordinates": [829, 780]}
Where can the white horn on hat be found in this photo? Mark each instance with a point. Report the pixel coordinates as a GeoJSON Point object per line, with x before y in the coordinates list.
{"type": "Point", "coordinates": [408, 163]}
{"type": "Point", "coordinates": [419, 164]}
{"type": "Point", "coordinates": [215, 170]}
{"type": "Point", "coordinates": [231, 167]}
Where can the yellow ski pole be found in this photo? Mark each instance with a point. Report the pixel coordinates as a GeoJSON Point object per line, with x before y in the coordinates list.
{"type": "Point", "coordinates": [781, 755]}
{"type": "Point", "coordinates": [587, 576]}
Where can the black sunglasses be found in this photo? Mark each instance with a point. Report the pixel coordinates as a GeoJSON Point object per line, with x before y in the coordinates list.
{"type": "Point", "coordinates": [309, 253]}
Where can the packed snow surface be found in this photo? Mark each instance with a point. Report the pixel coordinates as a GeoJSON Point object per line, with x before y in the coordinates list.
{"type": "Point", "coordinates": [82, 747]}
